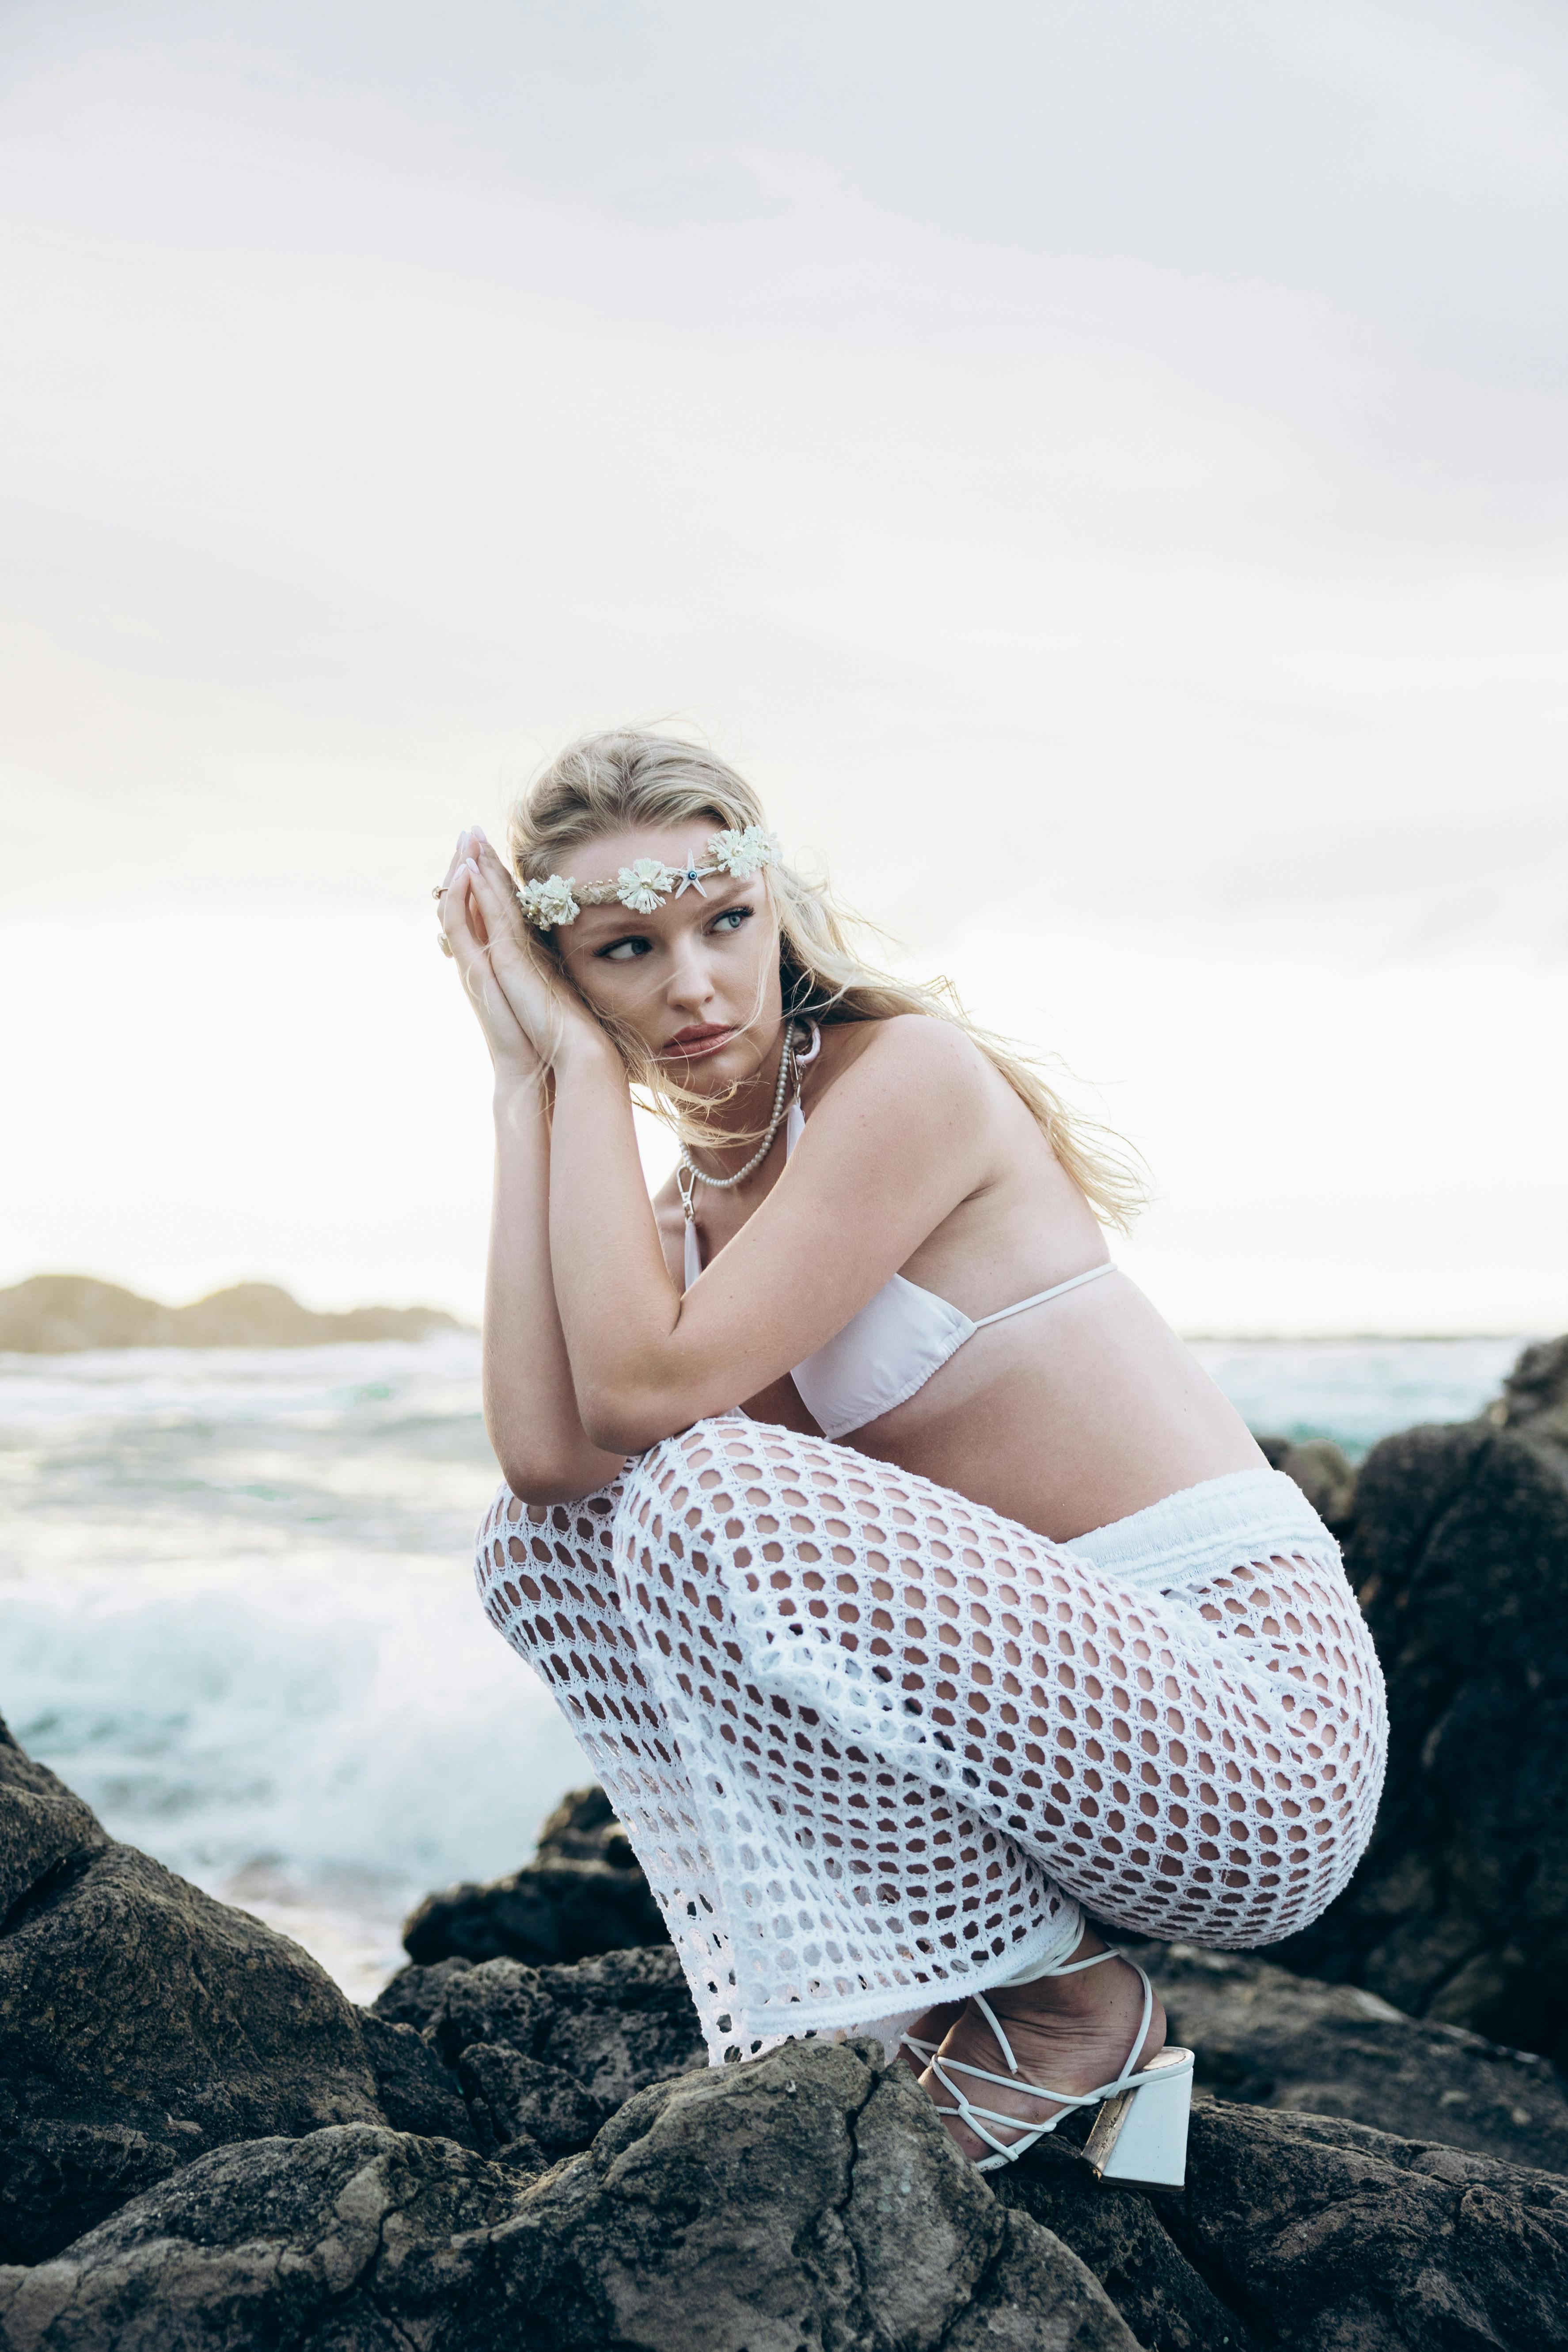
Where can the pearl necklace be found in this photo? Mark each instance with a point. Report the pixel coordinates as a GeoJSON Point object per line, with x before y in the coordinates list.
{"type": "Point", "coordinates": [688, 1175]}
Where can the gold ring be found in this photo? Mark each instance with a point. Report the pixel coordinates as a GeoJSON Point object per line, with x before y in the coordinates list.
{"type": "Point", "coordinates": [444, 943]}
{"type": "Point", "coordinates": [440, 890]}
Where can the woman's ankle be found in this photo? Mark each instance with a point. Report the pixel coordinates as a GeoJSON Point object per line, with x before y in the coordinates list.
{"type": "Point", "coordinates": [1083, 1993]}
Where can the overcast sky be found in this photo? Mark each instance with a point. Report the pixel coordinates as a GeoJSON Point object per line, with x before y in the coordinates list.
{"type": "Point", "coordinates": [1101, 467]}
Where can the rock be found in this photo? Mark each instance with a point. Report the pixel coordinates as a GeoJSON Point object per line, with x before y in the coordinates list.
{"type": "Point", "coordinates": [807, 2197]}
{"type": "Point", "coordinates": [1459, 1910]}
{"type": "Point", "coordinates": [614, 2023]}
{"type": "Point", "coordinates": [1271, 2039]}
{"type": "Point", "coordinates": [140, 2021]}
{"type": "Point", "coordinates": [1322, 2233]}
{"type": "Point", "coordinates": [415, 2088]}
{"type": "Point", "coordinates": [352, 2239]}
{"type": "Point", "coordinates": [1534, 1401]}
{"type": "Point", "coordinates": [583, 1828]}
{"type": "Point", "coordinates": [456, 2003]}
{"type": "Point", "coordinates": [1319, 2235]}
{"type": "Point", "coordinates": [60, 1314]}
{"type": "Point", "coordinates": [804, 2197]}
{"type": "Point", "coordinates": [1323, 1473]}
{"type": "Point", "coordinates": [46, 1832]}
{"type": "Point", "coordinates": [515, 2097]}
{"type": "Point", "coordinates": [581, 1894]}
{"type": "Point", "coordinates": [1169, 2306]}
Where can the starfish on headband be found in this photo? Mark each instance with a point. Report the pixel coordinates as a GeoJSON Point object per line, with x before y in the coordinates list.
{"type": "Point", "coordinates": [641, 885]}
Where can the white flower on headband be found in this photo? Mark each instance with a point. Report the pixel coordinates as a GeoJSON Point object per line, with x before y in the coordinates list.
{"type": "Point", "coordinates": [644, 883]}
{"type": "Point", "coordinates": [741, 853]}
{"type": "Point", "coordinates": [550, 902]}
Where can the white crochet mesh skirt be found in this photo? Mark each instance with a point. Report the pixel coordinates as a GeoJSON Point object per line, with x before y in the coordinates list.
{"type": "Point", "coordinates": [874, 1744]}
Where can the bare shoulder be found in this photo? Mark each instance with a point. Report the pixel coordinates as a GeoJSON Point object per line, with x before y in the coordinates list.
{"type": "Point", "coordinates": [910, 1051]}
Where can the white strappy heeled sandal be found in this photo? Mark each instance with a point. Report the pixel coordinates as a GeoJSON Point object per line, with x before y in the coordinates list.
{"type": "Point", "coordinates": [1139, 2136]}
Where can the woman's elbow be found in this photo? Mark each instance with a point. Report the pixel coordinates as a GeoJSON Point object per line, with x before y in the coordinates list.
{"type": "Point", "coordinates": [535, 1480]}
{"type": "Point", "coordinates": [624, 1420]}
{"type": "Point", "coordinates": [538, 1470]}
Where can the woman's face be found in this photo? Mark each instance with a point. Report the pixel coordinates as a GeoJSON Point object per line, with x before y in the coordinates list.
{"type": "Point", "coordinates": [699, 979]}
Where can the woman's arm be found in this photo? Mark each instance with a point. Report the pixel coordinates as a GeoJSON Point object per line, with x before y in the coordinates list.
{"type": "Point", "coordinates": [894, 1145]}
{"type": "Point", "coordinates": [530, 1405]}
{"type": "Point", "coordinates": [531, 1401]}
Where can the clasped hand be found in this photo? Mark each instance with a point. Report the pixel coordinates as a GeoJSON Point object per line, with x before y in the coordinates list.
{"type": "Point", "coordinates": [525, 1012]}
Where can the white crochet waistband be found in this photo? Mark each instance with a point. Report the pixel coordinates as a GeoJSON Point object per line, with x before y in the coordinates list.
{"type": "Point", "coordinates": [1251, 1514]}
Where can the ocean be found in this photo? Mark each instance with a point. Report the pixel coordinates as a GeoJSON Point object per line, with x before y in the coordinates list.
{"type": "Point", "coordinates": [236, 1611]}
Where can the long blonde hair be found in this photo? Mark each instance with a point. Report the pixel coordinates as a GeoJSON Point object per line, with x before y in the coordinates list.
{"type": "Point", "coordinates": [627, 780]}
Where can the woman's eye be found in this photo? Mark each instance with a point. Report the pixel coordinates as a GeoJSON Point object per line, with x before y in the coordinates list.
{"type": "Point", "coordinates": [731, 918]}
{"type": "Point", "coordinates": [623, 951]}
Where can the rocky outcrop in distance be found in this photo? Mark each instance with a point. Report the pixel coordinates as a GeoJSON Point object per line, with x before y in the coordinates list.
{"type": "Point", "coordinates": [63, 1314]}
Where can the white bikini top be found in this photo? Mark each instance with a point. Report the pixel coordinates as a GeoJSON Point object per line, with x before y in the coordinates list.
{"type": "Point", "coordinates": [888, 1351]}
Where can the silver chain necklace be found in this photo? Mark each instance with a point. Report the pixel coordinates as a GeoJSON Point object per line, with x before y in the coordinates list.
{"type": "Point", "coordinates": [688, 1175]}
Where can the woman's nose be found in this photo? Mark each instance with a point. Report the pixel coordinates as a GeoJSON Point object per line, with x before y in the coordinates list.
{"type": "Point", "coordinates": [690, 986]}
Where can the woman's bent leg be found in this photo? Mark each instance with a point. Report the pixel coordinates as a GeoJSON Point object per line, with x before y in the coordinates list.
{"type": "Point", "coordinates": [705, 1774]}
{"type": "Point", "coordinates": [1203, 1761]}
{"type": "Point", "coordinates": [547, 1582]}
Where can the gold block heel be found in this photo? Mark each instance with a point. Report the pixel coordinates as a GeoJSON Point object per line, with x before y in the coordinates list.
{"type": "Point", "coordinates": [1139, 2137]}
{"type": "Point", "coordinates": [1140, 2132]}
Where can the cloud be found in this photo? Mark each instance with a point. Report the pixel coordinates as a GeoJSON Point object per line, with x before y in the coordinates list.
{"type": "Point", "coordinates": [1098, 465]}
{"type": "Point", "coordinates": [359, 460]}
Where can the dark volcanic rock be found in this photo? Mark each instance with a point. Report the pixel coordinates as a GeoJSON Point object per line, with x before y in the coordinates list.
{"type": "Point", "coordinates": [1323, 2234]}
{"type": "Point", "coordinates": [583, 1892]}
{"type": "Point", "coordinates": [1534, 1401]}
{"type": "Point", "coordinates": [615, 2024]}
{"type": "Point", "coordinates": [140, 2021]}
{"type": "Point", "coordinates": [806, 2199]}
{"type": "Point", "coordinates": [1317, 2235]}
{"type": "Point", "coordinates": [1271, 2039]}
{"type": "Point", "coordinates": [1321, 1470]}
{"type": "Point", "coordinates": [515, 2097]}
{"type": "Point", "coordinates": [1459, 1910]}
{"type": "Point", "coordinates": [46, 1831]}
{"type": "Point", "coordinates": [417, 2091]}
{"type": "Point", "coordinates": [353, 2239]}
{"type": "Point", "coordinates": [1169, 2306]}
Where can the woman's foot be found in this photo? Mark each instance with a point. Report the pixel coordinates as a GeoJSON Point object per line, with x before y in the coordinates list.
{"type": "Point", "coordinates": [1068, 2033]}
{"type": "Point", "coordinates": [930, 2028]}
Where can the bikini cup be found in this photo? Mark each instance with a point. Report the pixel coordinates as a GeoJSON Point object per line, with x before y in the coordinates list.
{"type": "Point", "coordinates": [899, 1338]}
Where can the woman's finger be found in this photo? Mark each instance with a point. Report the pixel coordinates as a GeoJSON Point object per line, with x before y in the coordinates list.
{"type": "Point", "coordinates": [507, 1037]}
{"type": "Point", "coordinates": [454, 864]}
{"type": "Point", "coordinates": [497, 894]}
{"type": "Point", "coordinates": [496, 901]}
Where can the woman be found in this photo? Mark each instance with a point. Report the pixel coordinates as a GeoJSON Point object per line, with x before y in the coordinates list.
{"type": "Point", "coordinates": [903, 1577]}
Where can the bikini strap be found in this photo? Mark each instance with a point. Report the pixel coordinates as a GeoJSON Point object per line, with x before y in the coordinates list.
{"type": "Point", "coordinates": [1040, 1296]}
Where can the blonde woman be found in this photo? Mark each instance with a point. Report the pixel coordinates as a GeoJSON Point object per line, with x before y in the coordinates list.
{"type": "Point", "coordinates": [909, 1585]}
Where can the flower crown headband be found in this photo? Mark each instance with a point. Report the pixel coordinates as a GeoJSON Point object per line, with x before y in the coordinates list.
{"type": "Point", "coordinates": [739, 853]}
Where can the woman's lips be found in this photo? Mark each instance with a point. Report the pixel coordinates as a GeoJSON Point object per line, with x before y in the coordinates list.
{"type": "Point", "coordinates": [690, 1042]}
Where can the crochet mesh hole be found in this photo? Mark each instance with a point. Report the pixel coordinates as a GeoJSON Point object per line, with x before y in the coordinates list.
{"type": "Point", "coordinates": [869, 1739]}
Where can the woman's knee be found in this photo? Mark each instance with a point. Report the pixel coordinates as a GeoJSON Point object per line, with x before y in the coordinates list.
{"type": "Point", "coordinates": [555, 1554]}
{"type": "Point", "coordinates": [714, 1476]}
